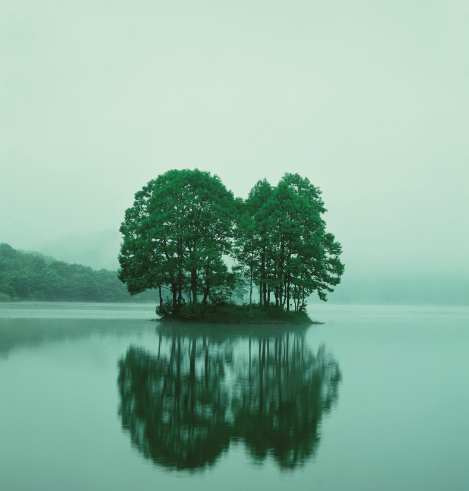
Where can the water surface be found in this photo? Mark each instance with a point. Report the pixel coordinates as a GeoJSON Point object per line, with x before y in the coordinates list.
{"type": "Point", "coordinates": [95, 396]}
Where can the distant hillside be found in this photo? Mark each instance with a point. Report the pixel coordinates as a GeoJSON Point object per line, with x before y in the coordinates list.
{"type": "Point", "coordinates": [29, 275]}
{"type": "Point", "coordinates": [47, 259]}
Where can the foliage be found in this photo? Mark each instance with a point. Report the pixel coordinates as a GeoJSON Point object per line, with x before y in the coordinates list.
{"type": "Point", "coordinates": [232, 313]}
{"type": "Point", "coordinates": [282, 244]}
{"type": "Point", "coordinates": [27, 276]}
{"type": "Point", "coordinates": [183, 222]}
{"type": "Point", "coordinates": [240, 291]}
{"type": "Point", "coordinates": [191, 311]}
{"type": "Point", "coordinates": [165, 307]}
{"type": "Point", "coordinates": [175, 235]}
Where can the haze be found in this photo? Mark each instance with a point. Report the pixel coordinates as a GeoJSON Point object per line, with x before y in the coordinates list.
{"type": "Point", "coordinates": [367, 99]}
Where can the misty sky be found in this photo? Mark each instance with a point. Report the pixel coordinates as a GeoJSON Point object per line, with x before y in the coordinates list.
{"type": "Point", "coordinates": [369, 100]}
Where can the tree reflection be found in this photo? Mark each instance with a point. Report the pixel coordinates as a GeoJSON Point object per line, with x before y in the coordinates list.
{"type": "Point", "coordinates": [176, 415]}
{"type": "Point", "coordinates": [184, 404]}
{"type": "Point", "coordinates": [285, 390]}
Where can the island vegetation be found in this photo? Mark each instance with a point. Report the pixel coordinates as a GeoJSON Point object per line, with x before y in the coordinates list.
{"type": "Point", "coordinates": [204, 250]}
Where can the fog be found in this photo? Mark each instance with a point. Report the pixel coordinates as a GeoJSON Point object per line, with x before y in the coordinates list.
{"type": "Point", "coordinates": [366, 99]}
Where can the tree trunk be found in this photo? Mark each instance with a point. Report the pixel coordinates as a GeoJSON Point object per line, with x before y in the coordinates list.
{"type": "Point", "coordinates": [281, 266]}
{"type": "Point", "coordinates": [175, 295]}
{"type": "Point", "coordinates": [250, 294]}
{"type": "Point", "coordinates": [261, 288]}
{"type": "Point", "coordinates": [194, 285]}
{"type": "Point", "coordinates": [206, 292]}
{"type": "Point", "coordinates": [180, 293]}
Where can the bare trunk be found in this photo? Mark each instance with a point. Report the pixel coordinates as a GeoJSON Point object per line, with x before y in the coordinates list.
{"type": "Point", "coordinates": [180, 293]}
{"type": "Point", "coordinates": [206, 292]}
{"type": "Point", "coordinates": [194, 285]}
{"type": "Point", "coordinates": [175, 295]}
{"type": "Point", "coordinates": [262, 278]}
{"type": "Point", "coordinates": [250, 295]}
{"type": "Point", "coordinates": [282, 259]}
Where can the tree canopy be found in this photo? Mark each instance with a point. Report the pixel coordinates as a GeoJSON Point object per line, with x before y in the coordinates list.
{"type": "Point", "coordinates": [295, 256]}
{"type": "Point", "coordinates": [185, 223]}
{"type": "Point", "coordinates": [176, 234]}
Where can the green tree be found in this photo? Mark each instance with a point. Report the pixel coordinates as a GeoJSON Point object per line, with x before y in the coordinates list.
{"type": "Point", "coordinates": [258, 197]}
{"type": "Point", "coordinates": [246, 251]}
{"type": "Point", "coordinates": [286, 247]}
{"type": "Point", "coordinates": [175, 235]}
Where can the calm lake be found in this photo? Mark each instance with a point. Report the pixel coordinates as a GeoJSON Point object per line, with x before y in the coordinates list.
{"type": "Point", "coordinates": [97, 397]}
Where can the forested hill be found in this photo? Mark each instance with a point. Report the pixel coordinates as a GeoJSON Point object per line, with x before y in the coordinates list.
{"type": "Point", "coordinates": [32, 276]}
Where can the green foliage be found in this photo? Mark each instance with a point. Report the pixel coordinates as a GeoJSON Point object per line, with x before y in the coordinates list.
{"type": "Point", "coordinates": [175, 235]}
{"type": "Point", "coordinates": [220, 296]}
{"type": "Point", "coordinates": [191, 311]}
{"type": "Point", "coordinates": [240, 291]}
{"type": "Point", "coordinates": [165, 307]}
{"type": "Point", "coordinates": [4, 297]}
{"type": "Point", "coordinates": [282, 245]}
{"type": "Point", "coordinates": [231, 313]}
{"type": "Point", "coordinates": [26, 276]}
{"type": "Point", "coordinates": [183, 222]}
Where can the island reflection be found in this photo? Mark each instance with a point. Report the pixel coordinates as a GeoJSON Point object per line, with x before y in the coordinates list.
{"type": "Point", "coordinates": [201, 389]}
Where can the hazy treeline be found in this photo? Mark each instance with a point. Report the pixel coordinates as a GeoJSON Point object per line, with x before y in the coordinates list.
{"type": "Point", "coordinates": [32, 276]}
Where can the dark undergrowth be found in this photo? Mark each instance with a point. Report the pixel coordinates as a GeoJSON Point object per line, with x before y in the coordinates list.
{"type": "Point", "coordinates": [231, 313]}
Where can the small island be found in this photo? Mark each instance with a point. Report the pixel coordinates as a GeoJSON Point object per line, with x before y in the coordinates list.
{"type": "Point", "coordinates": [205, 251]}
{"type": "Point", "coordinates": [233, 313]}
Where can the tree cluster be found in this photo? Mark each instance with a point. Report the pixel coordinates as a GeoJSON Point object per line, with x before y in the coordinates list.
{"type": "Point", "coordinates": [184, 224]}
{"type": "Point", "coordinates": [32, 276]}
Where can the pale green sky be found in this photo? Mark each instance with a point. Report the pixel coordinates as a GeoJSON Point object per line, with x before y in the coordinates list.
{"type": "Point", "coordinates": [369, 100]}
